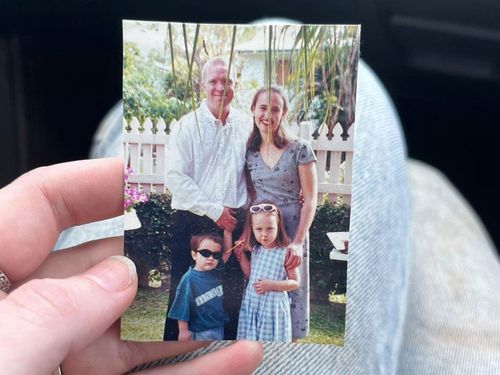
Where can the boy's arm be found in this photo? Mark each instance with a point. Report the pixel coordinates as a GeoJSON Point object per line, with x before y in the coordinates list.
{"type": "Point", "coordinates": [184, 334]}
{"type": "Point", "coordinates": [263, 286]}
{"type": "Point", "coordinates": [243, 239]}
{"type": "Point", "coordinates": [180, 310]}
{"type": "Point", "coordinates": [228, 243]}
{"type": "Point", "coordinates": [239, 253]}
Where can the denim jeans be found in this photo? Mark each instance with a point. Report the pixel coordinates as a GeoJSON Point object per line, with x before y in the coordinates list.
{"type": "Point", "coordinates": [216, 333]}
{"type": "Point", "coordinates": [422, 283]}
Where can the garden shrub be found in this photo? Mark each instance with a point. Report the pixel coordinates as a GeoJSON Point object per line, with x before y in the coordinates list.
{"type": "Point", "coordinates": [148, 246]}
{"type": "Point", "coordinates": [326, 274]}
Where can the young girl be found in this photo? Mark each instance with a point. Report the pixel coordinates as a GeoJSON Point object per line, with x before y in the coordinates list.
{"type": "Point", "coordinates": [265, 309]}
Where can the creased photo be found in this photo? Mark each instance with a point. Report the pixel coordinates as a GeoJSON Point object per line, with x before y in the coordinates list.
{"type": "Point", "coordinates": [238, 146]}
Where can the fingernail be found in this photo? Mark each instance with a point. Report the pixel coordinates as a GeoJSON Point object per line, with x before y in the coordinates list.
{"type": "Point", "coordinates": [114, 274]}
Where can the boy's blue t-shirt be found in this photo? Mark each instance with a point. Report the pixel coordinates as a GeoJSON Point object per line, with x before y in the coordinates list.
{"type": "Point", "coordinates": [199, 300]}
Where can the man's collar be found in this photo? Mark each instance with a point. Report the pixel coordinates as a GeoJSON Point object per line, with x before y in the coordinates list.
{"type": "Point", "coordinates": [209, 116]}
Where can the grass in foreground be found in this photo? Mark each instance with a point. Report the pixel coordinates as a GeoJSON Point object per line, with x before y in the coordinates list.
{"type": "Point", "coordinates": [145, 319]}
{"type": "Point", "coordinates": [327, 325]}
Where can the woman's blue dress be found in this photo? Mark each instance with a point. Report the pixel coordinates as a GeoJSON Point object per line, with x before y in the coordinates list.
{"type": "Point", "coordinates": [281, 185]}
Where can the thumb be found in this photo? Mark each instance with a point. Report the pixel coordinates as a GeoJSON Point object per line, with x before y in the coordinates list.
{"type": "Point", "coordinates": [44, 320]}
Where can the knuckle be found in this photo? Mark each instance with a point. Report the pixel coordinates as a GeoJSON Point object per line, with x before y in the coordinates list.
{"type": "Point", "coordinates": [37, 174]}
{"type": "Point", "coordinates": [44, 301]}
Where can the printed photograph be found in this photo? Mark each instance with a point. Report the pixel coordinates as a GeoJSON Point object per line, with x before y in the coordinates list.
{"type": "Point", "coordinates": [238, 147]}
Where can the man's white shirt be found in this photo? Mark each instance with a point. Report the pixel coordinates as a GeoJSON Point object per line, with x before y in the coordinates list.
{"type": "Point", "coordinates": [206, 161]}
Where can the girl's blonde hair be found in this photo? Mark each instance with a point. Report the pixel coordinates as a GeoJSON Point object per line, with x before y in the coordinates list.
{"type": "Point", "coordinates": [282, 239]}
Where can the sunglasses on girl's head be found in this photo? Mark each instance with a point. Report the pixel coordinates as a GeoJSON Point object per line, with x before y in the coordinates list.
{"type": "Point", "coordinates": [206, 253]}
{"type": "Point", "coordinates": [266, 207]}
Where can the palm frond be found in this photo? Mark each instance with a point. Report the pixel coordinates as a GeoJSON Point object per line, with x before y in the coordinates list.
{"type": "Point", "coordinates": [231, 55]}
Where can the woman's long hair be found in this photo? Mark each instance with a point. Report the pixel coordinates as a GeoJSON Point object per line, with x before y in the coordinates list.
{"type": "Point", "coordinates": [282, 138]}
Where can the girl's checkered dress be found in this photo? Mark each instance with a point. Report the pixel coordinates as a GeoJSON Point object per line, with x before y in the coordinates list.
{"type": "Point", "coordinates": [265, 317]}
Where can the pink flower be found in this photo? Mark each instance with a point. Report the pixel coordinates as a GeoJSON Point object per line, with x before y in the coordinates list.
{"type": "Point", "coordinates": [127, 172]}
{"type": "Point", "coordinates": [131, 196]}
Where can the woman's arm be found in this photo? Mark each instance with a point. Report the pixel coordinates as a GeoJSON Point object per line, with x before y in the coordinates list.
{"type": "Point", "coordinates": [263, 286]}
{"type": "Point", "coordinates": [309, 186]}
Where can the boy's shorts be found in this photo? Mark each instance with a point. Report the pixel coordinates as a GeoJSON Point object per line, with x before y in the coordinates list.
{"type": "Point", "coordinates": [211, 334]}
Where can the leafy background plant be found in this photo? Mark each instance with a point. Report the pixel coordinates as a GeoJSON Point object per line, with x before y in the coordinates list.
{"type": "Point", "coordinates": [149, 94]}
{"type": "Point", "coordinates": [149, 245]}
{"type": "Point", "coordinates": [163, 78]}
{"type": "Point", "coordinates": [327, 275]}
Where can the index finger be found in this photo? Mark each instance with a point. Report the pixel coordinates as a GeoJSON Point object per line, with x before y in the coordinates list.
{"type": "Point", "coordinates": [41, 203]}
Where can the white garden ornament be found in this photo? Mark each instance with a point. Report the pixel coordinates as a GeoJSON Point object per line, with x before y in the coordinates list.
{"type": "Point", "coordinates": [340, 241]}
{"type": "Point", "coordinates": [130, 220]}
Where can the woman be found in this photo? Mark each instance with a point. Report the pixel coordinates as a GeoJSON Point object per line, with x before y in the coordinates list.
{"type": "Point", "coordinates": [279, 168]}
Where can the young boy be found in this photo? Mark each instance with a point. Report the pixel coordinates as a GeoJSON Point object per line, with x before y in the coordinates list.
{"type": "Point", "coordinates": [198, 305]}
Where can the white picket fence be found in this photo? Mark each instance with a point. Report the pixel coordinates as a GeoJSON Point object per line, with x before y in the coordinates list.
{"type": "Point", "coordinates": [145, 153]}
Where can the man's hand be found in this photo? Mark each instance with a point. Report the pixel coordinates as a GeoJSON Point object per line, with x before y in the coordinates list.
{"type": "Point", "coordinates": [294, 256]}
{"type": "Point", "coordinates": [227, 220]}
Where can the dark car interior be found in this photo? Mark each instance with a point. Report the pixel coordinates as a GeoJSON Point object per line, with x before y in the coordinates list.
{"type": "Point", "coordinates": [60, 72]}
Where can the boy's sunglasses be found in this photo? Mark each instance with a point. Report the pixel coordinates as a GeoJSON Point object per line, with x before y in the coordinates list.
{"type": "Point", "coordinates": [206, 253]}
{"type": "Point", "coordinates": [266, 207]}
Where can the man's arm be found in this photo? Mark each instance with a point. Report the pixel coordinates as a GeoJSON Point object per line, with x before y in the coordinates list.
{"type": "Point", "coordinates": [188, 195]}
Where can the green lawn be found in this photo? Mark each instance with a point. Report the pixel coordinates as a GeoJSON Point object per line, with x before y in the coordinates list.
{"type": "Point", "coordinates": [145, 319]}
{"type": "Point", "coordinates": [327, 324]}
